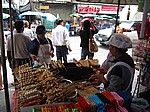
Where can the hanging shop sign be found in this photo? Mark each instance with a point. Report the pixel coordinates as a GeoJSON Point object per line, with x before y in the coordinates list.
{"type": "Point", "coordinates": [44, 7]}
{"type": "Point", "coordinates": [94, 9]}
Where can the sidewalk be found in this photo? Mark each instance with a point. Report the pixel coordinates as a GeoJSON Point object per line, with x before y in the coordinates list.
{"type": "Point", "coordinates": [2, 98]}
{"type": "Point", "coordinates": [10, 88]}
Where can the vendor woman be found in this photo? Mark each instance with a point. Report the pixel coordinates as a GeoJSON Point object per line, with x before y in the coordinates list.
{"type": "Point", "coordinates": [120, 75]}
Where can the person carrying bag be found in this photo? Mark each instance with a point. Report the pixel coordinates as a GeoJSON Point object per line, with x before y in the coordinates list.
{"type": "Point", "coordinates": [86, 34]}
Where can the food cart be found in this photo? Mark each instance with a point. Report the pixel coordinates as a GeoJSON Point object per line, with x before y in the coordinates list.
{"type": "Point", "coordinates": [40, 87]}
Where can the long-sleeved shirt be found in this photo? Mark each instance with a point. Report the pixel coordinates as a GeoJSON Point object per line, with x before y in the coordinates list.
{"type": "Point", "coordinates": [60, 36]}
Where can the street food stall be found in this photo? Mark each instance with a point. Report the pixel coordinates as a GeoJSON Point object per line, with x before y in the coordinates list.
{"type": "Point", "coordinates": [41, 86]}
{"type": "Point", "coordinates": [45, 89]}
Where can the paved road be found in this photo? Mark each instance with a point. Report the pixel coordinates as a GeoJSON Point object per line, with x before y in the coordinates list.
{"type": "Point", "coordinates": [76, 52]}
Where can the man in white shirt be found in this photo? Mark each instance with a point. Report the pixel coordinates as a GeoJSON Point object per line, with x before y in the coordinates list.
{"type": "Point", "coordinates": [27, 31]}
{"type": "Point", "coordinates": [60, 36]}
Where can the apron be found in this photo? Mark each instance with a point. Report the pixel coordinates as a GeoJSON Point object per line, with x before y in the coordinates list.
{"type": "Point", "coordinates": [44, 52]}
{"type": "Point", "coordinates": [129, 68]}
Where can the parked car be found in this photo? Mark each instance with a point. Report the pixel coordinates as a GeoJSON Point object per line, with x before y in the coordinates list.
{"type": "Point", "coordinates": [129, 30]}
{"type": "Point", "coordinates": [104, 35]}
{"type": "Point", "coordinates": [106, 26]}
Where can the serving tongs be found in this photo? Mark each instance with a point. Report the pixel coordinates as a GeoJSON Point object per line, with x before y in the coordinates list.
{"type": "Point", "coordinates": [86, 82]}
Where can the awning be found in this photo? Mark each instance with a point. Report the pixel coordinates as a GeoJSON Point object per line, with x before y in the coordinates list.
{"type": "Point", "coordinates": [49, 17]}
{"type": "Point", "coordinates": [30, 13]}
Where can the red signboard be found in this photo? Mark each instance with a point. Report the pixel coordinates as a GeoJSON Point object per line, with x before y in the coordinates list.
{"type": "Point", "coordinates": [88, 9]}
{"type": "Point", "coordinates": [96, 9]}
{"type": "Point", "coordinates": [109, 8]}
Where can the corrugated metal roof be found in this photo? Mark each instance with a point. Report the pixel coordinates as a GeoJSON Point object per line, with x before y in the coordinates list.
{"type": "Point", "coordinates": [122, 2]}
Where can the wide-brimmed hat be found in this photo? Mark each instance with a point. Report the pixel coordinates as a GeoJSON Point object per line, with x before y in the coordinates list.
{"type": "Point", "coordinates": [40, 29]}
{"type": "Point", "coordinates": [120, 41]}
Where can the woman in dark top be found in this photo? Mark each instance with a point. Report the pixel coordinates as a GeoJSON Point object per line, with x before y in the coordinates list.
{"type": "Point", "coordinates": [119, 76]}
{"type": "Point", "coordinates": [85, 32]}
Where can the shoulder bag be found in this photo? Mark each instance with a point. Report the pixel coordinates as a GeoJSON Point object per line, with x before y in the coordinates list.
{"type": "Point", "coordinates": [93, 47]}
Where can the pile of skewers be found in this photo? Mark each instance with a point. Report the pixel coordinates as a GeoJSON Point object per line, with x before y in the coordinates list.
{"type": "Point", "coordinates": [28, 87]}
{"type": "Point", "coordinates": [54, 89]}
{"type": "Point", "coordinates": [42, 86]}
{"type": "Point", "coordinates": [57, 65]}
{"type": "Point", "coordinates": [87, 63]}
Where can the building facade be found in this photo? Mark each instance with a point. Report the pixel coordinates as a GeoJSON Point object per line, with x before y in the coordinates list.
{"type": "Point", "coordinates": [60, 10]}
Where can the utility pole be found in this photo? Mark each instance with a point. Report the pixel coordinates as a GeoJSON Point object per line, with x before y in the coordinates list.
{"type": "Point", "coordinates": [4, 60]}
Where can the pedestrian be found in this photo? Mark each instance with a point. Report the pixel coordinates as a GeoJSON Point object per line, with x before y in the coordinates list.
{"type": "Point", "coordinates": [67, 25]}
{"type": "Point", "coordinates": [27, 31]}
{"type": "Point", "coordinates": [20, 44]}
{"type": "Point", "coordinates": [60, 36]}
{"type": "Point", "coordinates": [33, 28]}
{"type": "Point", "coordinates": [119, 30]}
{"type": "Point", "coordinates": [120, 75]}
{"type": "Point", "coordinates": [8, 32]}
{"type": "Point", "coordinates": [41, 49]}
{"type": "Point", "coordinates": [88, 29]}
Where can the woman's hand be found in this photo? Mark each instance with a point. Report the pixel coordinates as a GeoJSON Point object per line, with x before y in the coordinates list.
{"type": "Point", "coordinates": [100, 70]}
{"type": "Point", "coordinates": [103, 70]}
{"type": "Point", "coordinates": [97, 79]}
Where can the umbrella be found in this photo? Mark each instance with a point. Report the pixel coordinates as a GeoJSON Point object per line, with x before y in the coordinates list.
{"type": "Point", "coordinates": [30, 13]}
{"type": "Point", "coordinates": [106, 17]}
{"type": "Point", "coordinates": [49, 17]}
{"type": "Point", "coordinates": [89, 19]}
{"type": "Point", "coordinates": [89, 15]}
{"type": "Point", "coordinates": [76, 15]}
{"type": "Point", "coordinates": [138, 16]}
{"type": "Point", "coordinates": [5, 16]}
